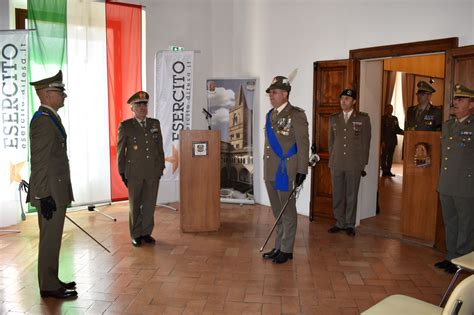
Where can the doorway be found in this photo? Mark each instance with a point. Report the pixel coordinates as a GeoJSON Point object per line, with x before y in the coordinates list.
{"type": "Point", "coordinates": [398, 88]}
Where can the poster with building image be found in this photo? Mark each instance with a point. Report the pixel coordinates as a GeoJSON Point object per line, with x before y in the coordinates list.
{"type": "Point", "coordinates": [230, 101]}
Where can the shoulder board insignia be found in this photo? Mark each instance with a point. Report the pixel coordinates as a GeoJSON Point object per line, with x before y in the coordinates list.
{"type": "Point", "coordinates": [298, 109]}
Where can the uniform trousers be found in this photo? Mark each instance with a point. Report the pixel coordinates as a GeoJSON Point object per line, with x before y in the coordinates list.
{"type": "Point", "coordinates": [142, 195]}
{"type": "Point", "coordinates": [458, 216]}
{"type": "Point", "coordinates": [50, 235]}
{"type": "Point", "coordinates": [345, 188]}
{"type": "Point", "coordinates": [286, 227]}
{"type": "Point", "coordinates": [387, 157]}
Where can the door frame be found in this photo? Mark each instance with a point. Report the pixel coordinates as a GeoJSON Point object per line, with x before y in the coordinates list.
{"type": "Point", "coordinates": [387, 51]}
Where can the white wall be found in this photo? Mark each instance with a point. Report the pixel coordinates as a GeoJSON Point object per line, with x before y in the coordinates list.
{"type": "Point", "coordinates": [185, 23]}
{"type": "Point", "coordinates": [371, 78]}
{"type": "Point", "coordinates": [272, 37]}
{"type": "Point", "coordinates": [264, 38]}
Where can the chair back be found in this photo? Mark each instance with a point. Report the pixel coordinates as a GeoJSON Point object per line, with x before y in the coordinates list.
{"type": "Point", "coordinates": [461, 301]}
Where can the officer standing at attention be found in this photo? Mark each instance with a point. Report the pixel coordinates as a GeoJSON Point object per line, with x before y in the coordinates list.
{"type": "Point", "coordinates": [50, 189]}
{"type": "Point", "coordinates": [286, 157]}
{"type": "Point", "coordinates": [424, 116]}
{"type": "Point", "coordinates": [349, 145]}
{"type": "Point", "coordinates": [390, 130]}
{"type": "Point", "coordinates": [141, 162]}
{"type": "Point", "coordinates": [456, 179]}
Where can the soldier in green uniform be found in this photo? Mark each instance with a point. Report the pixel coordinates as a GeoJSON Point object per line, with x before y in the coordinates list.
{"type": "Point", "coordinates": [424, 116]}
{"type": "Point", "coordinates": [285, 159]}
{"type": "Point", "coordinates": [141, 162]}
{"type": "Point", "coordinates": [50, 189]}
{"type": "Point", "coordinates": [456, 180]}
{"type": "Point", "coordinates": [349, 145]}
{"type": "Point", "coordinates": [388, 140]}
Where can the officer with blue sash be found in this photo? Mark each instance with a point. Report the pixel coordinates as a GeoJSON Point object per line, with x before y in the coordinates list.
{"type": "Point", "coordinates": [286, 156]}
{"type": "Point", "coordinates": [456, 178]}
{"type": "Point", "coordinates": [50, 189]}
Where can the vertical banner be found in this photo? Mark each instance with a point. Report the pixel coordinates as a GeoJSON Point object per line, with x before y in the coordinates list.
{"type": "Point", "coordinates": [173, 103]}
{"type": "Point", "coordinates": [14, 121]}
{"type": "Point", "coordinates": [230, 101]}
{"type": "Point", "coordinates": [124, 75]}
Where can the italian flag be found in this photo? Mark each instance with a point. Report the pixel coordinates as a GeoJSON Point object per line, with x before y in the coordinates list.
{"type": "Point", "coordinates": [98, 46]}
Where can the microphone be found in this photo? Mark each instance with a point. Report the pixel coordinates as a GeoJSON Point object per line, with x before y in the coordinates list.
{"type": "Point", "coordinates": [205, 112]}
{"type": "Point", "coordinates": [314, 158]}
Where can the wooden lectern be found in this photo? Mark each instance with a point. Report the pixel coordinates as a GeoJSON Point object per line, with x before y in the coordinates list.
{"type": "Point", "coordinates": [421, 163]}
{"type": "Point", "coordinates": [199, 180]}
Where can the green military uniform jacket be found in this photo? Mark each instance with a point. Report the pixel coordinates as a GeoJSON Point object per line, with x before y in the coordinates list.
{"type": "Point", "coordinates": [140, 150]}
{"type": "Point", "coordinates": [290, 127]}
{"type": "Point", "coordinates": [428, 120]}
{"type": "Point", "coordinates": [457, 158]}
{"type": "Point", "coordinates": [50, 175]}
{"type": "Point", "coordinates": [390, 129]}
{"type": "Point", "coordinates": [349, 143]}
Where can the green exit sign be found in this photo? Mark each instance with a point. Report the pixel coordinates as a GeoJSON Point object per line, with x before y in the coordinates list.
{"type": "Point", "coordinates": [176, 48]}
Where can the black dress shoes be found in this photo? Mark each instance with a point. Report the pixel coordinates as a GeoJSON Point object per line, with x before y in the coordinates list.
{"type": "Point", "coordinates": [442, 264]}
{"type": "Point", "coordinates": [350, 231]}
{"type": "Point", "coordinates": [452, 268]}
{"type": "Point", "coordinates": [60, 293]}
{"type": "Point", "coordinates": [148, 239]}
{"type": "Point", "coordinates": [68, 285]}
{"type": "Point", "coordinates": [136, 242]}
{"type": "Point", "coordinates": [391, 174]}
{"type": "Point", "coordinates": [448, 266]}
{"type": "Point", "coordinates": [271, 254]}
{"type": "Point", "coordinates": [282, 258]}
{"type": "Point", "coordinates": [335, 229]}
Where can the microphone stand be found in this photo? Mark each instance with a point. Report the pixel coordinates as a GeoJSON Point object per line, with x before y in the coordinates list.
{"type": "Point", "coordinates": [208, 117]}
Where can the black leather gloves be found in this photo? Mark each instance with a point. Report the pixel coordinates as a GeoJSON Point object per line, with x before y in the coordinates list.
{"type": "Point", "coordinates": [124, 179]}
{"type": "Point", "coordinates": [48, 205]}
{"type": "Point", "coordinates": [363, 173]}
{"type": "Point", "coordinates": [299, 179]}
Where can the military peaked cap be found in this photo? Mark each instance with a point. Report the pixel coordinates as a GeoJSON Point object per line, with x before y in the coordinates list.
{"type": "Point", "coordinates": [54, 83]}
{"type": "Point", "coordinates": [349, 92]}
{"type": "Point", "coordinates": [462, 91]}
{"type": "Point", "coordinates": [138, 97]}
{"type": "Point", "coordinates": [281, 83]}
{"type": "Point", "coordinates": [424, 86]}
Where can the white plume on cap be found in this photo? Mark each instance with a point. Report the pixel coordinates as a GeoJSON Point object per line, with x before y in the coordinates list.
{"type": "Point", "coordinates": [292, 75]}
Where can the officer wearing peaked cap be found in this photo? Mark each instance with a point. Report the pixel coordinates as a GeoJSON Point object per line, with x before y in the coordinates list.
{"type": "Point", "coordinates": [424, 116]}
{"type": "Point", "coordinates": [141, 162]}
{"type": "Point", "coordinates": [456, 179]}
{"type": "Point", "coordinates": [50, 189]}
{"type": "Point", "coordinates": [286, 156]}
{"type": "Point", "coordinates": [349, 144]}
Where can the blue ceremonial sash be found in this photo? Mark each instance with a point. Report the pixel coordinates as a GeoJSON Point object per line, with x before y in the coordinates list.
{"type": "Point", "coordinates": [281, 176]}
{"type": "Point", "coordinates": [38, 114]}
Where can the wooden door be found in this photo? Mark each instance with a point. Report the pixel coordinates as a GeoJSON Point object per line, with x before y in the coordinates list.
{"type": "Point", "coordinates": [459, 69]}
{"type": "Point", "coordinates": [330, 78]}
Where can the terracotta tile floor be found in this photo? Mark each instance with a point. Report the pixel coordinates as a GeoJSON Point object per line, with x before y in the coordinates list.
{"type": "Point", "coordinates": [387, 222]}
{"type": "Point", "coordinates": [215, 273]}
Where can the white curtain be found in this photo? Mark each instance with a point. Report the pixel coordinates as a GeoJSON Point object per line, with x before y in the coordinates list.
{"type": "Point", "coordinates": [87, 103]}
